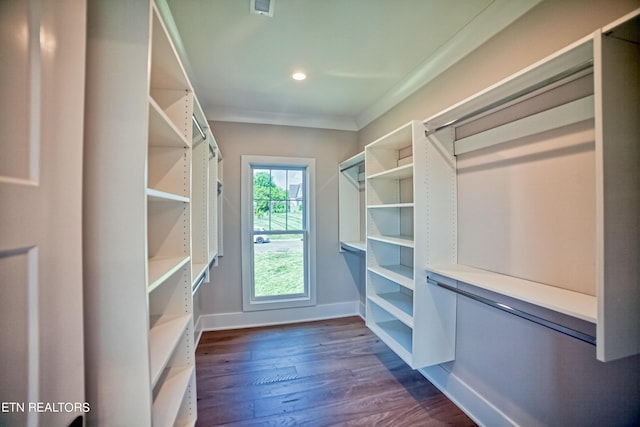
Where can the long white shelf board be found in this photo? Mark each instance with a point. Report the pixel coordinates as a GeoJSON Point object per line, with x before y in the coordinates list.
{"type": "Point", "coordinates": [401, 172]}
{"type": "Point", "coordinates": [164, 336]}
{"type": "Point", "coordinates": [391, 205]}
{"type": "Point", "coordinates": [395, 140]}
{"type": "Point", "coordinates": [401, 274]}
{"type": "Point", "coordinates": [401, 240]}
{"type": "Point", "coordinates": [397, 336]}
{"type": "Point", "coordinates": [398, 304]}
{"type": "Point", "coordinates": [564, 301]}
{"type": "Point", "coordinates": [167, 404]}
{"type": "Point", "coordinates": [162, 131]}
{"type": "Point", "coordinates": [161, 268]}
{"type": "Point", "coordinates": [154, 195]}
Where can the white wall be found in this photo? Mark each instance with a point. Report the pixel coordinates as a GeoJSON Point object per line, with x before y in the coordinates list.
{"type": "Point", "coordinates": [507, 370]}
{"type": "Point", "coordinates": [337, 281]}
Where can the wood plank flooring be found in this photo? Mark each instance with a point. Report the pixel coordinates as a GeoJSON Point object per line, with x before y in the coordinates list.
{"type": "Point", "coordinates": [325, 373]}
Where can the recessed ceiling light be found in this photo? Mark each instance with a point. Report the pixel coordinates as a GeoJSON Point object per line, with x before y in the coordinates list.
{"type": "Point", "coordinates": [298, 76]}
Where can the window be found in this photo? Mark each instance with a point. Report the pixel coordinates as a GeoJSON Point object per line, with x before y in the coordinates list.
{"type": "Point", "coordinates": [278, 233]}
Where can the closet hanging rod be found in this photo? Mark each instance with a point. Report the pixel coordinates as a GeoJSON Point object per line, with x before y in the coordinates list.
{"type": "Point", "coordinates": [523, 314]}
{"type": "Point", "coordinates": [199, 283]}
{"type": "Point", "coordinates": [204, 135]}
{"type": "Point", "coordinates": [550, 80]}
{"type": "Point", "coordinates": [351, 166]}
{"type": "Point", "coordinates": [348, 248]}
{"type": "Point", "coordinates": [195, 122]}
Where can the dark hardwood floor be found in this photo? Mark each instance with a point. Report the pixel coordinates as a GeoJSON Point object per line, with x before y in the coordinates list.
{"type": "Point", "coordinates": [325, 373]}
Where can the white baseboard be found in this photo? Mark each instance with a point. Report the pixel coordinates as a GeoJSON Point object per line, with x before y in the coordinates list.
{"type": "Point", "coordinates": [249, 319]}
{"type": "Point", "coordinates": [480, 410]}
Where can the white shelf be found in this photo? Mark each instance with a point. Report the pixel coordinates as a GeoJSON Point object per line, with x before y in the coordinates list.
{"type": "Point", "coordinates": [167, 403]}
{"type": "Point", "coordinates": [161, 268]}
{"type": "Point", "coordinates": [358, 246]}
{"type": "Point", "coordinates": [162, 131]}
{"type": "Point", "coordinates": [561, 300]}
{"type": "Point", "coordinates": [400, 172]}
{"type": "Point", "coordinates": [391, 205]}
{"type": "Point", "coordinates": [395, 140]}
{"type": "Point", "coordinates": [405, 241]}
{"type": "Point", "coordinates": [399, 304]}
{"type": "Point", "coordinates": [401, 274]}
{"type": "Point", "coordinates": [164, 336]}
{"type": "Point", "coordinates": [163, 196]}
{"type": "Point", "coordinates": [397, 336]}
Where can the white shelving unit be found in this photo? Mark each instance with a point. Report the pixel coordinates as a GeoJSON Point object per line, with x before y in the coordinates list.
{"type": "Point", "coordinates": [169, 231]}
{"type": "Point", "coordinates": [351, 204]}
{"type": "Point", "coordinates": [548, 187]}
{"type": "Point", "coordinates": [151, 223]}
{"type": "Point", "coordinates": [415, 320]}
{"type": "Point", "coordinates": [204, 216]}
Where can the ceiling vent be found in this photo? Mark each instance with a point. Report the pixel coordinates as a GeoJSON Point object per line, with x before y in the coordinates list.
{"type": "Point", "coordinates": [262, 7]}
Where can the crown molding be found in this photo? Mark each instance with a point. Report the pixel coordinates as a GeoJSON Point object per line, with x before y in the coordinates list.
{"type": "Point", "coordinates": [224, 114]}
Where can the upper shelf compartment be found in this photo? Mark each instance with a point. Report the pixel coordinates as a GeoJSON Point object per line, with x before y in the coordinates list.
{"type": "Point", "coordinates": [162, 130]}
{"type": "Point", "coordinates": [169, 86]}
{"type": "Point", "coordinates": [166, 70]}
{"type": "Point", "coordinates": [519, 104]}
{"type": "Point", "coordinates": [392, 155]}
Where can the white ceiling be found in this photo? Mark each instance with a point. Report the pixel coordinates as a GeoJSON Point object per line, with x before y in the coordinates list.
{"type": "Point", "coordinates": [361, 57]}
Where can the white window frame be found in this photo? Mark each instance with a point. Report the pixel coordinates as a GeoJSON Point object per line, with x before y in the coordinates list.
{"type": "Point", "coordinates": [246, 231]}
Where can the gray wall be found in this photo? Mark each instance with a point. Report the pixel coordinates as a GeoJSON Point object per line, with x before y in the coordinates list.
{"type": "Point", "coordinates": [337, 278]}
{"type": "Point", "coordinates": [534, 376]}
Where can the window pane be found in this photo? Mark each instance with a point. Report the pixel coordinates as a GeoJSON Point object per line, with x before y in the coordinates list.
{"type": "Point", "coordinates": [279, 266]}
{"type": "Point", "coordinates": [279, 184]}
{"type": "Point", "coordinates": [261, 184]}
{"type": "Point", "coordinates": [295, 199]}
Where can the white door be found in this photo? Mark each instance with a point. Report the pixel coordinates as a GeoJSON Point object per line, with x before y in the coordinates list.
{"type": "Point", "coordinates": [42, 51]}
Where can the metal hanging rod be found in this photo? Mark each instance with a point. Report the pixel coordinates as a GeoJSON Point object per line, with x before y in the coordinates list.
{"type": "Point", "coordinates": [352, 166]}
{"type": "Point", "coordinates": [204, 135]}
{"type": "Point", "coordinates": [351, 249]}
{"type": "Point", "coordinates": [195, 122]}
{"type": "Point", "coordinates": [199, 283]}
{"type": "Point", "coordinates": [523, 314]}
{"type": "Point", "coordinates": [546, 82]}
